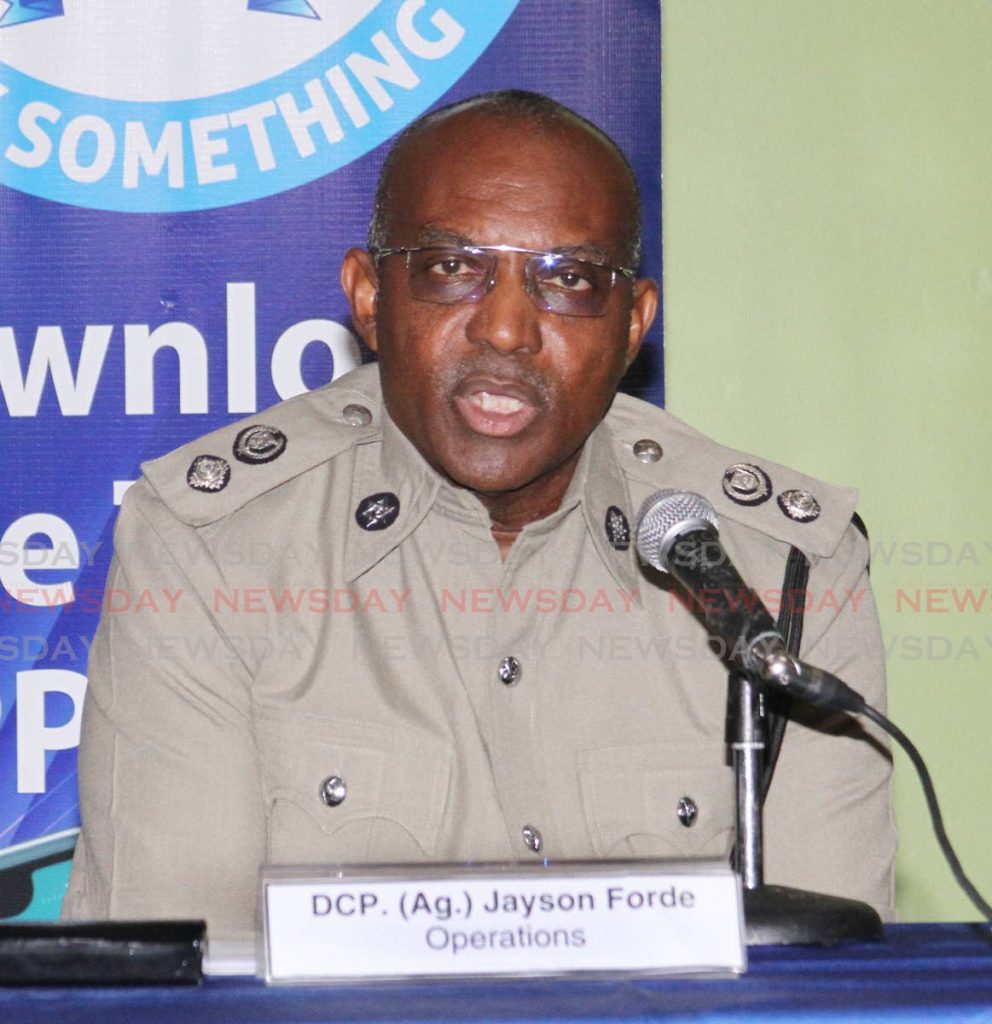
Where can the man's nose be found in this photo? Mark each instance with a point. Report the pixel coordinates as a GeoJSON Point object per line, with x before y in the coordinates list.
{"type": "Point", "coordinates": [505, 318]}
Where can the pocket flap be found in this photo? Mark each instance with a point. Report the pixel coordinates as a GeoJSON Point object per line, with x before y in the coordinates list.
{"type": "Point", "coordinates": [631, 797]}
{"type": "Point", "coordinates": [390, 773]}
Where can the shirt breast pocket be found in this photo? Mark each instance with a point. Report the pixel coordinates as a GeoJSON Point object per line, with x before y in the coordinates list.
{"type": "Point", "coordinates": [664, 800]}
{"type": "Point", "coordinates": [342, 790]}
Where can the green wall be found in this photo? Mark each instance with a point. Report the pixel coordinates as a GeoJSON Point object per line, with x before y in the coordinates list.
{"type": "Point", "coordinates": [828, 286]}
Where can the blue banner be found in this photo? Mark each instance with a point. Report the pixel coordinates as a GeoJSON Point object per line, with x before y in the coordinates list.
{"type": "Point", "coordinates": [178, 183]}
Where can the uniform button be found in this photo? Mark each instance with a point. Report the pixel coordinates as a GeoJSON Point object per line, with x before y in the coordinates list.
{"type": "Point", "coordinates": [687, 811]}
{"type": "Point", "coordinates": [510, 670]}
{"type": "Point", "coordinates": [333, 790]}
{"type": "Point", "coordinates": [532, 838]}
{"type": "Point", "coordinates": [647, 450]}
{"type": "Point", "coordinates": [356, 415]}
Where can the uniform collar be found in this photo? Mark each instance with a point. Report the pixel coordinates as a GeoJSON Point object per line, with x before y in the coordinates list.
{"type": "Point", "coordinates": [391, 465]}
{"type": "Point", "coordinates": [386, 465]}
{"type": "Point", "coordinates": [606, 507]}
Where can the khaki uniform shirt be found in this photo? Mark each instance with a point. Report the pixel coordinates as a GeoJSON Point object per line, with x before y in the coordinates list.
{"type": "Point", "coordinates": [275, 653]}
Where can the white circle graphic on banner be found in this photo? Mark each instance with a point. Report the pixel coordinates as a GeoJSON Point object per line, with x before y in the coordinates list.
{"type": "Point", "coordinates": [193, 104]}
{"type": "Point", "coordinates": [176, 50]}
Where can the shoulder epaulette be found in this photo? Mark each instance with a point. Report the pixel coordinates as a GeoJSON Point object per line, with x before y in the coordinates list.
{"type": "Point", "coordinates": [660, 451]}
{"type": "Point", "coordinates": [216, 474]}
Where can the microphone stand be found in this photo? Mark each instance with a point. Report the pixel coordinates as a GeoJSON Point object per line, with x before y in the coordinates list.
{"type": "Point", "coordinates": [775, 914]}
{"type": "Point", "coordinates": [676, 534]}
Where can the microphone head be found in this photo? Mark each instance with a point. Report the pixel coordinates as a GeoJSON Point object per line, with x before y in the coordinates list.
{"type": "Point", "coordinates": [666, 516]}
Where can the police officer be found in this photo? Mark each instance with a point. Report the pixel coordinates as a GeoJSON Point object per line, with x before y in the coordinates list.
{"type": "Point", "coordinates": [411, 625]}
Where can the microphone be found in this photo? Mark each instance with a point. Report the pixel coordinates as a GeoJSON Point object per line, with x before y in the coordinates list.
{"type": "Point", "coordinates": [676, 533]}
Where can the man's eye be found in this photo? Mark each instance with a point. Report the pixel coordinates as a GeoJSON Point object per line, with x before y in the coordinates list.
{"type": "Point", "coordinates": [452, 266]}
{"type": "Point", "coordinates": [569, 279]}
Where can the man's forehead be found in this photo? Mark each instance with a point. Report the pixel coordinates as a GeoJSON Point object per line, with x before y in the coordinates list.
{"type": "Point", "coordinates": [479, 159]}
{"type": "Point", "coordinates": [454, 138]}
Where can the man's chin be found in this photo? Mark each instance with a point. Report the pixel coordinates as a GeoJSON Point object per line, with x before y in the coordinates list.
{"type": "Point", "coordinates": [501, 470]}
{"type": "Point", "coordinates": [490, 483]}
{"type": "Point", "coordinates": [489, 472]}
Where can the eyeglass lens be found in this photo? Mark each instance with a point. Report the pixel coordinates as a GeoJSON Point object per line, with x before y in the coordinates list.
{"type": "Point", "coordinates": [558, 283]}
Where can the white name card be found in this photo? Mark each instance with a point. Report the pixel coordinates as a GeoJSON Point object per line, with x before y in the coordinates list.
{"type": "Point", "coordinates": [380, 923]}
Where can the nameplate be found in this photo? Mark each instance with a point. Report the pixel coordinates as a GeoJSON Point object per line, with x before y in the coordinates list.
{"type": "Point", "coordinates": [385, 923]}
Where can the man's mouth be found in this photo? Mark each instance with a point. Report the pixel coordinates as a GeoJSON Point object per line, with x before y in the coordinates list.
{"type": "Point", "coordinates": [496, 409]}
{"type": "Point", "coordinates": [496, 403]}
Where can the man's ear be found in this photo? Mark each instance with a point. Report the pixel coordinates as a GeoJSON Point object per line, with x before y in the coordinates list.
{"type": "Point", "coordinates": [361, 286]}
{"type": "Point", "coordinates": [642, 314]}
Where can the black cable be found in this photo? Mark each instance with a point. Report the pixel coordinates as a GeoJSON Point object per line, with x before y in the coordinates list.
{"type": "Point", "coordinates": [935, 816]}
{"type": "Point", "coordinates": [776, 706]}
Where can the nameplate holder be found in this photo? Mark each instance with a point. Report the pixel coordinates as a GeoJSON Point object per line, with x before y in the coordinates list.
{"type": "Point", "coordinates": [347, 924]}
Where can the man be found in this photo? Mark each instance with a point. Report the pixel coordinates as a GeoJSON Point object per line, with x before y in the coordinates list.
{"type": "Point", "coordinates": [411, 625]}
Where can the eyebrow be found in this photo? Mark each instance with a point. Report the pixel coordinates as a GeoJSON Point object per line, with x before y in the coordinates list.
{"type": "Point", "coordinates": [431, 234]}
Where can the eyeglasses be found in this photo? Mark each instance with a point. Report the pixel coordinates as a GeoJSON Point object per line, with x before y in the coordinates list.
{"type": "Point", "coordinates": [555, 281]}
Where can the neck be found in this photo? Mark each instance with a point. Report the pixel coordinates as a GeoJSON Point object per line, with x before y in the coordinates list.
{"type": "Point", "coordinates": [510, 511]}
